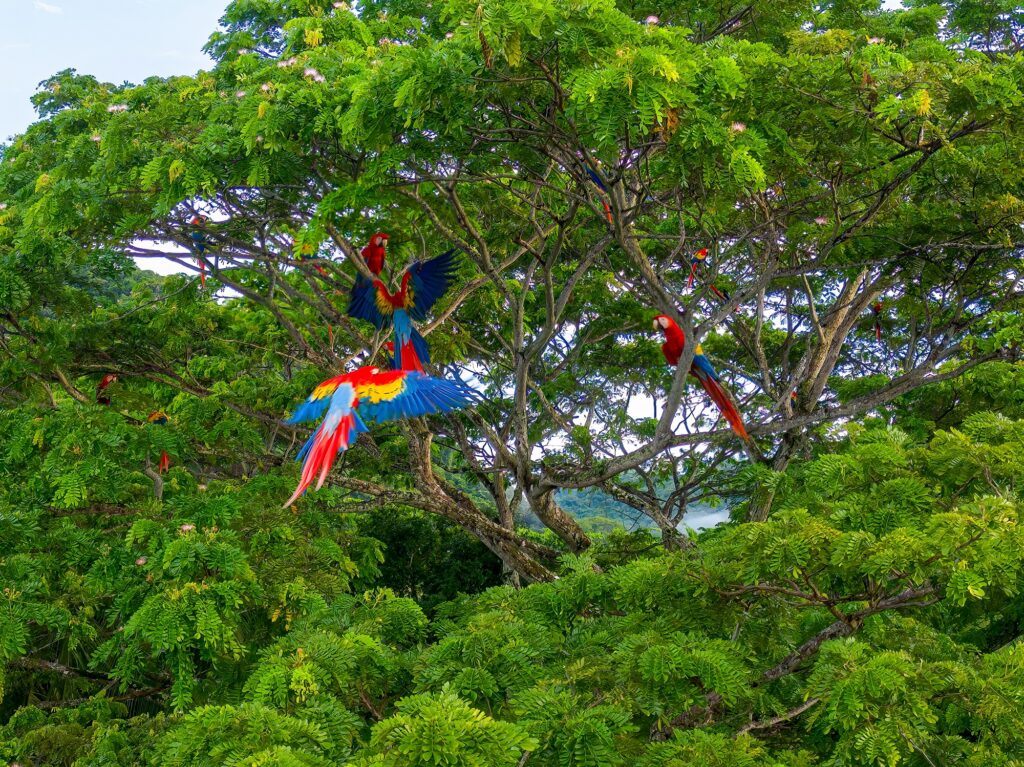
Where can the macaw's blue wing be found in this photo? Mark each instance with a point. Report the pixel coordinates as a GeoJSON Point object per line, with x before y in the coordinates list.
{"type": "Point", "coordinates": [365, 302]}
{"type": "Point", "coordinates": [408, 394]}
{"type": "Point", "coordinates": [317, 403]}
{"type": "Point", "coordinates": [428, 281]}
{"type": "Point", "coordinates": [703, 365]}
{"type": "Point", "coordinates": [596, 179]}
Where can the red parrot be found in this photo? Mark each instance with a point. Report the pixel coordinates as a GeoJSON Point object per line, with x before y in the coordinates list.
{"type": "Point", "coordinates": [160, 419]}
{"type": "Point", "coordinates": [701, 370]}
{"type": "Point", "coordinates": [374, 253]}
{"type": "Point", "coordinates": [877, 311]}
{"type": "Point", "coordinates": [371, 394]}
{"type": "Point", "coordinates": [422, 285]}
{"type": "Point", "coordinates": [199, 238]}
{"type": "Point", "coordinates": [695, 261]}
{"type": "Point", "coordinates": [101, 398]}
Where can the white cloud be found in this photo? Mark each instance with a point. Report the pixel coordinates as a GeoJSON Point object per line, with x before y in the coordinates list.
{"type": "Point", "coordinates": [47, 8]}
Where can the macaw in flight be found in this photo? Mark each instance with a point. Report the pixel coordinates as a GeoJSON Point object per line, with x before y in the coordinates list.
{"type": "Point", "coordinates": [701, 369]}
{"type": "Point", "coordinates": [199, 240]}
{"type": "Point", "coordinates": [159, 418]}
{"type": "Point", "coordinates": [696, 260]}
{"type": "Point", "coordinates": [422, 285]}
{"type": "Point", "coordinates": [101, 398]}
{"type": "Point", "coordinates": [367, 394]}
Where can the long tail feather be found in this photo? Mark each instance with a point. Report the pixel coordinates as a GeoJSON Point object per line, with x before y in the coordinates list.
{"type": "Point", "coordinates": [693, 273]}
{"type": "Point", "coordinates": [321, 450]}
{"type": "Point", "coordinates": [165, 462]}
{"type": "Point", "coordinates": [723, 402]}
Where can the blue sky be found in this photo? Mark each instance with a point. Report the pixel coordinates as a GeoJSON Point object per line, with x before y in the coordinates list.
{"type": "Point", "coordinates": [114, 40]}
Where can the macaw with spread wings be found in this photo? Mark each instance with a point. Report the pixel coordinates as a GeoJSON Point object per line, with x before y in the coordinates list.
{"type": "Point", "coordinates": [422, 285]}
{"type": "Point", "coordinates": [367, 394]}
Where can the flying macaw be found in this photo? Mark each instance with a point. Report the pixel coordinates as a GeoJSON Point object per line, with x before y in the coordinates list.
{"type": "Point", "coordinates": [600, 185]}
{"type": "Point", "coordinates": [101, 398]}
{"type": "Point", "coordinates": [877, 311]}
{"type": "Point", "coordinates": [701, 370]}
{"type": "Point", "coordinates": [422, 285]}
{"type": "Point", "coordinates": [367, 394]}
{"type": "Point", "coordinates": [159, 418]}
{"type": "Point", "coordinates": [199, 239]}
{"type": "Point", "coordinates": [374, 253]}
{"type": "Point", "coordinates": [696, 260]}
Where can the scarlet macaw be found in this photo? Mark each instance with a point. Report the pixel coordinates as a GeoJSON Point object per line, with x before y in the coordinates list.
{"type": "Point", "coordinates": [160, 419]}
{"type": "Point", "coordinates": [422, 285]}
{"type": "Point", "coordinates": [374, 253]}
{"type": "Point", "coordinates": [101, 398]}
{"type": "Point", "coordinates": [695, 261]}
{"type": "Point", "coordinates": [199, 239]}
{"type": "Point", "coordinates": [371, 394]}
{"type": "Point", "coordinates": [877, 311]}
{"type": "Point", "coordinates": [701, 370]}
{"type": "Point", "coordinates": [600, 185]}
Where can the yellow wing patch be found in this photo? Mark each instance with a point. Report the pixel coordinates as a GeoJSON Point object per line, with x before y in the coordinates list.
{"type": "Point", "coordinates": [699, 350]}
{"type": "Point", "coordinates": [381, 392]}
{"type": "Point", "coordinates": [323, 390]}
{"type": "Point", "coordinates": [383, 305]}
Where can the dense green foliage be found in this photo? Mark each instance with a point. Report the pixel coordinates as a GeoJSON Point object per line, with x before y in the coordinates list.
{"type": "Point", "coordinates": [862, 606]}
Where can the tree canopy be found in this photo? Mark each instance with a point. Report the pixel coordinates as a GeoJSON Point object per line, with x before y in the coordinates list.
{"type": "Point", "coordinates": [856, 174]}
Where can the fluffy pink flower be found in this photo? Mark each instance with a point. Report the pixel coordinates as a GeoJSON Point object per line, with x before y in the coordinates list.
{"type": "Point", "coordinates": [188, 527]}
{"type": "Point", "coordinates": [140, 561]}
{"type": "Point", "coordinates": [821, 220]}
{"type": "Point", "coordinates": [651, 20]}
{"type": "Point", "coordinates": [738, 127]}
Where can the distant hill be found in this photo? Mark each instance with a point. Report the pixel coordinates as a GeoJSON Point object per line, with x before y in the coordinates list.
{"type": "Point", "coordinates": [596, 511]}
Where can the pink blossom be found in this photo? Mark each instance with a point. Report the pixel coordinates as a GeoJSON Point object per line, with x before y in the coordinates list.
{"type": "Point", "coordinates": [738, 127]}
{"type": "Point", "coordinates": [243, 51]}
{"type": "Point", "coordinates": [188, 527]}
{"type": "Point", "coordinates": [140, 561]}
{"type": "Point", "coordinates": [117, 108]}
{"type": "Point", "coordinates": [449, 35]}
{"type": "Point", "coordinates": [96, 137]}
{"type": "Point", "coordinates": [201, 487]}
{"type": "Point", "coordinates": [259, 139]}
{"type": "Point", "coordinates": [3, 206]}
{"type": "Point", "coordinates": [821, 220]}
{"type": "Point", "coordinates": [875, 40]}
{"type": "Point", "coordinates": [266, 87]}
{"type": "Point", "coordinates": [240, 94]}
{"type": "Point", "coordinates": [651, 20]}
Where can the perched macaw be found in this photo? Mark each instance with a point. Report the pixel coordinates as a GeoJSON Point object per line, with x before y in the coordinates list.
{"type": "Point", "coordinates": [422, 285]}
{"type": "Point", "coordinates": [877, 311]}
{"type": "Point", "coordinates": [701, 370]}
{"type": "Point", "coordinates": [374, 253]}
{"type": "Point", "coordinates": [159, 418]}
{"type": "Point", "coordinates": [101, 398]}
{"type": "Point", "coordinates": [367, 394]}
{"type": "Point", "coordinates": [199, 240]}
{"type": "Point", "coordinates": [600, 185]}
{"type": "Point", "coordinates": [695, 261]}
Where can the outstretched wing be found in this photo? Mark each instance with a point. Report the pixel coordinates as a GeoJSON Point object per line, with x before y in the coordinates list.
{"type": "Point", "coordinates": [427, 281]}
{"type": "Point", "coordinates": [369, 301]}
{"type": "Point", "coordinates": [394, 394]}
{"type": "Point", "coordinates": [317, 403]}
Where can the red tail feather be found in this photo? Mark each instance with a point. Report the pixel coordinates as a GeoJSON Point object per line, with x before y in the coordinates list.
{"type": "Point", "coordinates": [202, 272]}
{"type": "Point", "coordinates": [607, 211]}
{"type": "Point", "coordinates": [721, 399]}
{"type": "Point", "coordinates": [693, 273]}
{"type": "Point", "coordinates": [322, 454]}
{"type": "Point", "coordinates": [165, 462]}
{"type": "Point", "coordinates": [878, 331]}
